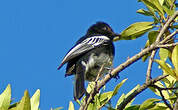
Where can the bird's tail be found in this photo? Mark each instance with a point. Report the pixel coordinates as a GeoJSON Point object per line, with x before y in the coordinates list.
{"type": "Point", "coordinates": [79, 88]}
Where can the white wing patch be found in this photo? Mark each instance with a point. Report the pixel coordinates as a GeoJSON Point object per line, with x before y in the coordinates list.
{"type": "Point", "coordinates": [92, 41]}
{"type": "Point", "coordinates": [96, 40]}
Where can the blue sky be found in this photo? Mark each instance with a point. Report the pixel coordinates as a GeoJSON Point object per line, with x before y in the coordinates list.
{"type": "Point", "coordinates": [36, 34]}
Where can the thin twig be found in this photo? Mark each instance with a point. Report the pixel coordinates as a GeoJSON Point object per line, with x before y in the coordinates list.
{"type": "Point", "coordinates": [167, 45]}
{"type": "Point", "coordinates": [138, 91]}
{"type": "Point", "coordinates": [162, 96]}
{"type": "Point", "coordinates": [176, 105]}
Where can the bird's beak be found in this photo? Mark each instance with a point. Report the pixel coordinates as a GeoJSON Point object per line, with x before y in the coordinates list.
{"type": "Point", "coordinates": [116, 37]}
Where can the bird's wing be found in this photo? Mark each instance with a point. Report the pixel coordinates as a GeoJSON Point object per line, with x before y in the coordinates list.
{"type": "Point", "coordinates": [83, 47]}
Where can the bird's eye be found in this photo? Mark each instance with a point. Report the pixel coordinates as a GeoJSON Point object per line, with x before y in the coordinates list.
{"type": "Point", "coordinates": [105, 28]}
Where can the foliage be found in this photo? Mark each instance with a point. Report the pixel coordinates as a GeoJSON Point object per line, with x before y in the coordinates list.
{"type": "Point", "coordinates": [166, 89]}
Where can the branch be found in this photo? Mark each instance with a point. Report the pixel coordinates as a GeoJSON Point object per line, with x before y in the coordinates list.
{"type": "Point", "coordinates": [167, 45]}
{"type": "Point", "coordinates": [124, 65]}
{"type": "Point", "coordinates": [163, 98]}
{"type": "Point", "coordinates": [176, 105]}
{"type": "Point", "coordinates": [162, 31]}
{"type": "Point", "coordinates": [138, 91]}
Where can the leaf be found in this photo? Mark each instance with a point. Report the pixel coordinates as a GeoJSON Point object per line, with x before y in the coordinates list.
{"type": "Point", "coordinates": [168, 10]}
{"type": "Point", "coordinates": [166, 68]}
{"type": "Point", "coordinates": [5, 98]}
{"type": "Point", "coordinates": [154, 5]}
{"type": "Point", "coordinates": [25, 102]}
{"type": "Point", "coordinates": [58, 108]}
{"type": "Point", "coordinates": [144, 12]}
{"type": "Point", "coordinates": [175, 59]}
{"type": "Point", "coordinates": [35, 100]}
{"type": "Point", "coordinates": [71, 106]}
{"type": "Point", "coordinates": [125, 96]}
{"type": "Point", "coordinates": [163, 54]}
{"type": "Point", "coordinates": [159, 84]}
{"type": "Point", "coordinates": [136, 30]}
{"type": "Point", "coordinates": [161, 2]}
{"type": "Point", "coordinates": [152, 35]}
{"type": "Point", "coordinates": [134, 107]}
{"type": "Point", "coordinates": [122, 97]}
{"type": "Point", "coordinates": [105, 97]}
{"type": "Point", "coordinates": [147, 55]}
{"type": "Point", "coordinates": [148, 104]}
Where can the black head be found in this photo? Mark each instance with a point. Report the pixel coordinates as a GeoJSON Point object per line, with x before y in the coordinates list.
{"type": "Point", "coordinates": [101, 28]}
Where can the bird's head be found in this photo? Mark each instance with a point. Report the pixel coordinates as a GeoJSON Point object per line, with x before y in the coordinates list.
{"type": "Point", "coordinates": [103, 29]}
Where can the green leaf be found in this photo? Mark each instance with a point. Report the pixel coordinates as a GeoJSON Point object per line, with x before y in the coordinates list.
{"type": "Point", "coordinates": [105, 97]}
{"type": "Point", "coordinates": [163, 54]}
{"type": "Point", "coordinates": [25, 102]}
{"type": "Point", "coordinates": [161, 2]}
{"type": "Point", "coordinates": [166, 68]}
{"type": "Point", "coordinates": [5, 98]}
{"type": "Point", "coordinates": [147, 55]}
{"type": "Point", "coordinates": [159, 84]}
{"type": "Point", "coordinates": [134, 107]}
{"type": "Point", "coordinates": [154, 5]}
{"type": "Point", "coordinates": [152, 35]}
{"type": "Point", "coordinates": [71, 106]}
{"type": "Point", "coordinates": [175, 59]}
{"type": "Point", "coordinates": [35, 100]}
{"type": "Point", "coordinates": [122, 97]}
{"type": "Point", "coordinates": [136, 30]}
{"type": "Point", "coordinates": [168, 10]}
{"type": "Point", "coordinates": [144, 12]}
{"type": "Point", "coordinates": [150, 103]}
{"type": "Point", "coordinates": [118, 86]}
{"type": "Point", "coordinates": [125, 96]}
{"type": "Point", "coordinates": [58, 108]}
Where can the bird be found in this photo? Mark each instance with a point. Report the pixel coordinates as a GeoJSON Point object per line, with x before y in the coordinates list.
{"type": "Point", "coordinates": [86, 57]}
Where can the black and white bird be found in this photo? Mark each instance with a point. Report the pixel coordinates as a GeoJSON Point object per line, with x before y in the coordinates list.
{"type": "Point", "coordinates": [87, 56]}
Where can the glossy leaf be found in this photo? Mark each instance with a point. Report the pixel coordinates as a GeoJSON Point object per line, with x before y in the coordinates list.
{"type": "Point", "coordinates": [144, 12]}
{"type": "Point", "coordinates": [136, 30]}
{"type": "Point", "coordinates": [147, 55]}
{"type": "Point", "coordinates": [71, 106]}
{"type": "Point", "coordinates": [25, 102]}
{"type": "Point", "coordinates": [159, 84]}
{"type": "Point", "coordinates": [152, 35]}
{"type": "Point", "coordinates": [134, 107]}
{"type": "Point", "coordinates": [175, 59]}
{"type": "Point", "coordinates": [163, 54]}
{"type": "Point", "coordinates": [166, 68]}
{"type": "Point", "coordinates": [35, 100]}
{"type": "Point", "coordinates": [107, 96]}
{"type": "Point", "coordinates": [148, 104]}
{"type": "Point", "coordinates": [5, 98]}
{"type": "Point", "coordinates": [154, 5]}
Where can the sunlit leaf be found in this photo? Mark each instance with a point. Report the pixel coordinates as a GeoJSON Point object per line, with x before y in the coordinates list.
{"type": "Point", "coordinates": [166, 68]}
{"type": "Point", "coordinates": [156, 91]}
{"type": "Point", "coordinates": [110, 94]}
{"type": "Point", "coordinates": [161, 2]}
{"type": "Point", "coordinates": [5, 98]}
{"type": "Point", "coordinates": [175, 59]}
{"type": "Point", "coordinates": [148, 104]}
{"type": "Point", "coordinates": [163, 54]}
{"type": "Point", "coordinates": [154, 5]}
{"type": "Point", "coordinates": [71, 106]}
{"type": "Point", "coordinates": [24, 102]}
{"type": "Point", "coordinates": [144, 12]}
{"type": "Point", "coordinates": [136, 30]}
{"type": "Point", "coordinates": [152, 35]}
{"type": "Point", "coordinates": [35, 100]}
{"type": "Point", "coordinates": [147, 55]}
{"type": "Point", "coordinates": [134, 107]}
{"type": "Point", "coordinates": [122, 97]}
